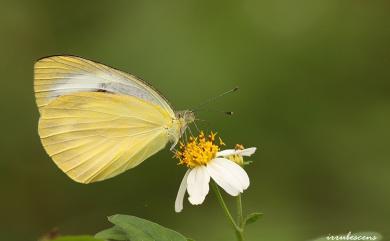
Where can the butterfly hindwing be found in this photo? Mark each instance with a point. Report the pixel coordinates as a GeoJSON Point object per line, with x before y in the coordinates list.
{"type": "Point", "coordinates": [92, 136]}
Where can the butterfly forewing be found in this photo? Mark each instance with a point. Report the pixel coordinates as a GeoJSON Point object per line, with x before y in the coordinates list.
{"type": "Point", "coordinates": [61, 75]}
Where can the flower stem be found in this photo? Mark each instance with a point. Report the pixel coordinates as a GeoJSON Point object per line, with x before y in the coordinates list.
{"type": "Point", "coordinates": [240, 217]}
{"type": "Point", "coordinates": [238, 229]}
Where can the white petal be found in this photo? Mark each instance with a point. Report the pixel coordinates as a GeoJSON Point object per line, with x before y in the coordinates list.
{"type": "Point", "coordinates": [198, 185]}
{"type": "Point", "coordinates": [248, 151]}
{"type": "Point", "coordinates": [229, 175]}
{"type": "Point", "coordinates": [181, 193]}
{"type": "Point", "coordinates": [229, 152]}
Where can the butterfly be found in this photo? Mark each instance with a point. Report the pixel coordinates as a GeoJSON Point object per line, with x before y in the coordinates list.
{"type": "Point", "coordinates": [97, 122]}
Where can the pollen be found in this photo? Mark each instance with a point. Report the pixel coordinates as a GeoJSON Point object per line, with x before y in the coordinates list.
{"type": "Point", "coordinates": [198, 150]}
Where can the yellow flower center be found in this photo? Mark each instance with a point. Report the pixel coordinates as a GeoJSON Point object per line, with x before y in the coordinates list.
{"type": "Point", "coordinates": [199, 150]}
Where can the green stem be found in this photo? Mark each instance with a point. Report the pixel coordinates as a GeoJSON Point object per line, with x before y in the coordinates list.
{"type": "Point", "coordinates": [238, 229]}
{"type": "Point", "coordinates": [240, 217]}
{"type": "Point", "coordinates": [240, 235]}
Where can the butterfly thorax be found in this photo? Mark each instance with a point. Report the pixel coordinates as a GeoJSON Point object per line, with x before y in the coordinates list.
{"type": "Point", "coordinates": [180, 124]}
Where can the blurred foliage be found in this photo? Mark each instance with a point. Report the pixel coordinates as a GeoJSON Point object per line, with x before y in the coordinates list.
{"type": "Point", "coordinates": [77, 238]}
{"type": "Point", "coordinates": [314, 97]}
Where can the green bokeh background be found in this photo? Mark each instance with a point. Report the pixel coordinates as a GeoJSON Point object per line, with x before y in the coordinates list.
{"type": "Point", "coordinates": [314, 97]}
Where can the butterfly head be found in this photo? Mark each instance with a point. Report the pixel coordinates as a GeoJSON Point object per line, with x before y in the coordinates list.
{"type": "Point", "coordinates": [185, 117]}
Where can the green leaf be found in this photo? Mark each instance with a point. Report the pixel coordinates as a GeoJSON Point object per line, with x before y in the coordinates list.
{"type": "Point", "coordinates": [76, 238]}
{"type": "Point", "coordinates": [115, 233]}
{"type": "Point", "coordinates": [253, 217]}
{"type": "Point", "coordinates": [247, 163]}
{"type": "Point", "coordinates": [138, 229]}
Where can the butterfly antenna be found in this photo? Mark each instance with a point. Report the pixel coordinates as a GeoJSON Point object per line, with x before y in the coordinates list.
{"type": "Point", "coordinates": [215, 98]}
{"type": "Point", "coordinates": [230, 113]}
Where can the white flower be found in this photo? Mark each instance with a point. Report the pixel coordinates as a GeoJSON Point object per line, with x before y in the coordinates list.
{"type": "Point", "coordinates": [226, 173]}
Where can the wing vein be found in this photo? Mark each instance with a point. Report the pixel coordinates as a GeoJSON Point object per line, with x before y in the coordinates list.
{"type": "Point", "coordinates": [91, 129]}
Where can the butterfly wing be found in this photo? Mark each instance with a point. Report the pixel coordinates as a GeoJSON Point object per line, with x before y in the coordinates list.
{"type": "Point", "coordinates": [92, 136]}
{"type": "Point", "coordinates": [61, 75]}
